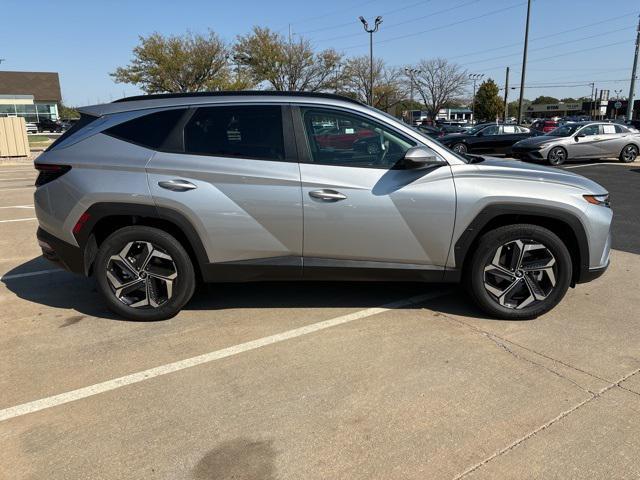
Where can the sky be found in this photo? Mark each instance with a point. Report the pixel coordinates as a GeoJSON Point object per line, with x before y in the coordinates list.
{"type": "Point", "coordinates": [571, 42]}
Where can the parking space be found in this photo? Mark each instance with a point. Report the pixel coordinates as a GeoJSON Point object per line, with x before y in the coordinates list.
{"type": "Point", "coordinates": [297, 380]}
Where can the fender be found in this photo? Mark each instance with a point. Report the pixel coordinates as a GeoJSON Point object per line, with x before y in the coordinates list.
{"type": "Point", "coordinates": [491, 212]}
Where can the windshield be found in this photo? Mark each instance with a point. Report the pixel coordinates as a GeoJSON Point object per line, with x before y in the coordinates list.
{"type": "Point", "coordinates": [563, 131]}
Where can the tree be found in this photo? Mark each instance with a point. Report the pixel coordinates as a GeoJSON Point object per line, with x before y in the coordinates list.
{"type": "Point", "coordinates": [186, 63]}
{"type": "Point", "coordinates": [286, 65]}
{"type": "Point", "coordinates": [489, 105]}
{"type": "Point", "coordinates": [439, 82]}
{"type": "Point", "coordinates": [388, 87]}
{"type": "Point", "coordinates": [568, 100]}
{"type": "Point", "coordinates": [545, 99]}
{"type": "Point", "coordinates": [67, 112]}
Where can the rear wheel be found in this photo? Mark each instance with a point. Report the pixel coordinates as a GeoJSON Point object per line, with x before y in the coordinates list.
{"type": "Point", "coordinates": [459, 148]}
{"type": "Point", "coordinates": [629, 154]}
{"type": "Point", "coordinates": [557, 156]}
{"type": "Point", "coordinates": [519, 272]}
{"type": "Point", "coordinates": [144, 273]}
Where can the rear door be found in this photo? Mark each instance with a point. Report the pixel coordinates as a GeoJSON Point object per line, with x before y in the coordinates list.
{"type": "Point", "coordinates": [235, 177]}
{"type": "Point", "coordinates": [360, 211]}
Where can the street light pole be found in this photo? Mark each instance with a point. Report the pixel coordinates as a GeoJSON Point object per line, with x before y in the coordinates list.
{"type": "Point", "coordinates": [474, 77]}
{"type": "Point", "coordinates": [633, 75]}
{"type": "Point", "coordinates": [410, 73]}
{"type": "Point", "coordinates": [371, 31]}
{"type": "Point", "coordinates": [524, 63]}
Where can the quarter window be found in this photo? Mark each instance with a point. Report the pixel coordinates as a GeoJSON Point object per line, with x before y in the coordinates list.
{"type": "Point", "coordinates": [344, 139]}
{"type": "Point", "coordinates": [149, 130]}
{"type": "Point", "coordinates": [236, 131]}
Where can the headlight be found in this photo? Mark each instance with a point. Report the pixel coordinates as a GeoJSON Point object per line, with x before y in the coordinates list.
{"type": "Point", "coordinates": [602, 200]}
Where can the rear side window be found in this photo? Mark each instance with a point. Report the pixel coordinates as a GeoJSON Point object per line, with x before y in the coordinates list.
{"type": "Point", "coordinates": [80, 124]}
{"type": "Point", "coordinates": [236, 131]}
{"type": "Point", "coordinates": [149, 130]}
{"type": "Point", "coordinates": [621, 129]}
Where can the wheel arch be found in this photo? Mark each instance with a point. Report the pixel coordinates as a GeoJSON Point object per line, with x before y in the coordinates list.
{"type": "Point", "coordinates": [564, 224]}
{"type": "Point", "coordinates": [105, 218]}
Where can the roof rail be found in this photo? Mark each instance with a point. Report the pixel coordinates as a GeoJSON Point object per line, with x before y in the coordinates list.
{"type": "Point", "coordinates": [264, 93]}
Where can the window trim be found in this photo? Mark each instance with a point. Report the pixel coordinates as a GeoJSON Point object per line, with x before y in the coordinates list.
{"type": "Point", "coordinates": [288, 142]}
{"type": "Point", "coordinates": [302, 139]}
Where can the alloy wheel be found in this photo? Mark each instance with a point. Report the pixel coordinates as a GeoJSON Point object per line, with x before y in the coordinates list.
{"type": "Point", "coordinates": [520, 274]}
{"type": "Point", "coordinates": [629, 153]}
{"type": "Point", "coordinates": [460, 148]}
{"type": "Point", "coordinates": [142, 275]}
{"type": "Point", "coordinates": [557, 156]}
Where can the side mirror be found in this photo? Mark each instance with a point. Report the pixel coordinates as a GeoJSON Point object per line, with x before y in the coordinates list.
{"type": "Point", "coordinates": [421, 157]}
{"type": "Point", "coordinates": [579, 136]}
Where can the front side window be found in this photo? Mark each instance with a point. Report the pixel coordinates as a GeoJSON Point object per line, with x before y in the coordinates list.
{"type": "Point", "coordinates": [236, 131]}
{"type": "Point", "coordinates": [491, 130]}
{"type": "Point", "coordinates": [345, 139]}
{"type": "Point", "coordinates": [590, 130]}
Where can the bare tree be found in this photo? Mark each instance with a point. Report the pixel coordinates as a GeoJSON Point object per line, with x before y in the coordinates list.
{"type": "Point", "coordinates": [439, 82]}
{"type": "Point", "coordinates": [286, 65]}
{"type": "Point", "coordinates": [186, 63]}
{"type": "Point", "coordinates": [389, 88]}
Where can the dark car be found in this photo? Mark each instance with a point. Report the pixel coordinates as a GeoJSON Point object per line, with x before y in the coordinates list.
{"type": "Point", "coordinates": [487, 138]}
{"type": "Point", "coordinates": [432, 132]}
{"type": "Point", "coordinates": [48, 125]}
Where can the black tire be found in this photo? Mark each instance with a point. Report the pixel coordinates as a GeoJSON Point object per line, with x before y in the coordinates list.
{"type": "Point", "coordinates": [460, 148]}
{"type": "Point", "coordinates": [483, 258]}
{"type": "Point", "coordinates": [557, 156]}
{"type": "Point", "coordinates": [629, 153]}
{"type": "Point", "coordinates": [182, 287]}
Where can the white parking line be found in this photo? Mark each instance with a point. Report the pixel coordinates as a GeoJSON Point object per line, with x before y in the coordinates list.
{"type": "Point", "coordinates": [55, 400]}
{"type": "Point", "coordinates": [619, 164]}
{"type": "Point", "coordinates": [17, 206]}
{"type": "Point", "coordinates": [18, 220]}
{"type": "Point", "coordinates": [29, 274]}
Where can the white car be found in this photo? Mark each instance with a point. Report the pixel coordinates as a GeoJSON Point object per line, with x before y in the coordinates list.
{"type": "Point", "coordinates": [32, 127]}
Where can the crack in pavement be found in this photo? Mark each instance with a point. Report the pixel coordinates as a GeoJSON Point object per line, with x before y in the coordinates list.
{"type": "Point", "coordinates": [592, 395]}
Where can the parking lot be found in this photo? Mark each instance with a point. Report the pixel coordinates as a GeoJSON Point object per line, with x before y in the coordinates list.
{"type": "Point", "coordinates": [295, 380]}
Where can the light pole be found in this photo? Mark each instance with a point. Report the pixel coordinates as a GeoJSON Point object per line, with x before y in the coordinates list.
{"type": "Point", "coordinates": [410, 73]}
{"type": "Point", "coordinates": [474, 77]}
{"type": "Point", "coordinates": [617, 97]}
{"type": "Point", "coordinates": [371, 31]}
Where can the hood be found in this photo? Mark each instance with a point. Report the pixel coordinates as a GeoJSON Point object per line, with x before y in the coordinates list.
{"type": "Point", "coordinates": [522, 170]}
{"type": "Point", "coordinates": [537, 141]}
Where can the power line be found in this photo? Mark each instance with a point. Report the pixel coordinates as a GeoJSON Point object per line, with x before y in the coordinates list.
{"type": "Point", "coordinates": [330, 14]}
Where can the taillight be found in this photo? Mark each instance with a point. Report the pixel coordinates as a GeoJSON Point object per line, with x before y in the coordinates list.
{"type": "Point", "coordinates": [49, 172]}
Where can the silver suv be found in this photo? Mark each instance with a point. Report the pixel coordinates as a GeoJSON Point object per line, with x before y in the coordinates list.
{"type": "Point", "coordinates": [151, 194]}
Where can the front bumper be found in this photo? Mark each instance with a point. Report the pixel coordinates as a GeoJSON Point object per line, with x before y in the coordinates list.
{"type": "Point", "coordinates": [524, 154]}
{"type": "Point", "coordinates": [63, 254]}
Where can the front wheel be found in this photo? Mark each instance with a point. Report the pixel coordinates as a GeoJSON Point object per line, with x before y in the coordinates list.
{"type": "Point", "coordinates": [144, 273]}
{"type": "Point", "coordinates": [629, 154]}
{"type": "Point", "coordinates": [519, 272]}
{"type": "Point", "coordinates": [557, 156]}
{"type": "Point", "coordinates": [460, 148]}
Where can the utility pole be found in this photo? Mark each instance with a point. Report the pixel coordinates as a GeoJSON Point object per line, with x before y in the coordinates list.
{"type": "Point", "coordinates": [410, 73]}
{"type": "Point", "coordinates": [474, 77]}
{"type": "Point", "coordinates": [506, 96]}
{"type": "Point", "coordinates": [633, 75]}
{"type": "Point", "coordinates": [371, 31]}
{"type": "Point", "coordinates": [524, 62]}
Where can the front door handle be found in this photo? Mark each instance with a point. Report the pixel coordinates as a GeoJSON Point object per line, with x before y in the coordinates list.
{"type": "Point", "coordinates": [177, 185]}
{"type": "Point", "coordinates": [327, 195]}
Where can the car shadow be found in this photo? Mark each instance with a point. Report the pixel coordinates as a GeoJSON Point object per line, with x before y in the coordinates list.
{"type": "Point", "coordinates": [60, 289]}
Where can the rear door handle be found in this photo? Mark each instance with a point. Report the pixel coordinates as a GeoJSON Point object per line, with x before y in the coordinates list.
{"type": "Point", "coordinates": [327, 195]}
{"type": "Point", "coordinates": [177, 185]}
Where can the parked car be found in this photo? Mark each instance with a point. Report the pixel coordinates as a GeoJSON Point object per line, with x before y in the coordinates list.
{"type": "Point", "coordinates": [544, 126]}
{"type": "Point", "coordinates": [150, 194]}
{"type": "Point", "coordinates": [487, 138]}
{"type": "Point", "coordinates": [48, 125]}
{"type": "Point", "coordinates": [433, 132]}
{"type": "Point", "coordinates": [31, 127]}
{"type": "Point", "coordinates": [581, 140]}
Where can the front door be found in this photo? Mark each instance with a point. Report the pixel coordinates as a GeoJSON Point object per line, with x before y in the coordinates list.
{"type": "Point", "coordinates": [360, 211]}
{"type": "Point", "coordinates": [585, 144]}
{"type": "Point", "coordinates": [238, 183]}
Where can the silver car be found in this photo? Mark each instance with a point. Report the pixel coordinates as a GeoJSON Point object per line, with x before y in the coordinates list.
{"type": "Point", "coordinates": [152, 194]}
{"type": "Point", "coordinates": [581, 140]}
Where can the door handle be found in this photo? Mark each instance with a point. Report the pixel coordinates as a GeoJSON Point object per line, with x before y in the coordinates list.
{"type": "Point", "coordinates": [327, 195]}
{"type": "Point", "coordinates": [177, 185]}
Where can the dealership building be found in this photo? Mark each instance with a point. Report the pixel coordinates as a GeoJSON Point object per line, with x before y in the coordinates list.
{"type": "Point", "coordinates": [32, 95]}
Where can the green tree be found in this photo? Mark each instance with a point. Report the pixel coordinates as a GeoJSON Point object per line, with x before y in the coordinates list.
{"type": "Point", "coordinates": [180, 63]}
{"type": "Point", "coordinates": [489, 105]}
{"type": "Point", "coordinates": [65, 112]}
{"type": "Point", "coordinates": [287, 65]}
{"type": "Point", "coordinates": [568, 100]}
{"type": "Point", "coordinates": [545, 99]}
{"type": "Point", "coordinates": [513, 107]}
